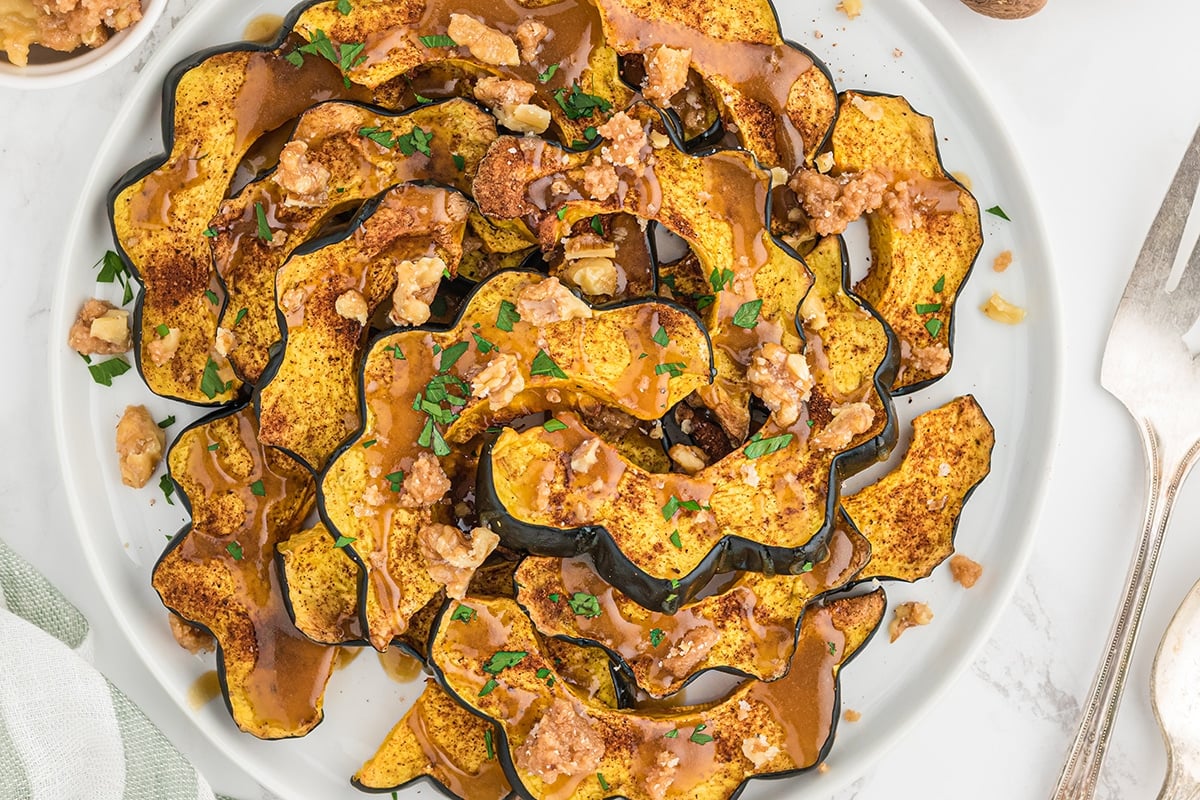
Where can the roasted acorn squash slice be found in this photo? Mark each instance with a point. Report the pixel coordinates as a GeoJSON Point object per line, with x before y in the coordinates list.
{"type": "Point", "coordinates": [218, 573]}
{"type": "Point", "coordinates": [915, 274]}
{"type": "Point", "coordinates": [308, 404]}
{"type": "Point", "coordinates": [320, 585]}
{"type": "Point", "coordinates": [418, 394]}
{"type": "Point", "coordinates": [341, 155]}
{"type": "Point", "coordinates": [495, 667]}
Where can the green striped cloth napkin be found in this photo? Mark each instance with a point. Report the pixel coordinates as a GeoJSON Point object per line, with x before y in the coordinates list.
{"type": "Point", "coordinates": [65, 731]}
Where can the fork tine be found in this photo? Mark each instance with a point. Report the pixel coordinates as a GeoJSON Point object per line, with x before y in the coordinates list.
{"type": "Point", "coordinates": [1186, 296]}
{"type": "Point", "coordinates": [1154, 263]}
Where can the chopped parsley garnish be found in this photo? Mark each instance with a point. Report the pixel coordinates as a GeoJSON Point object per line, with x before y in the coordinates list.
{"type": "Point", "coordinates": [543, 673]}
{"type": "Point", "coordinates": [488, 744]}
{"type": "Point", "coordinates": [674, 368]}
{"type": "Point", "coordinates": [585, 605]}
{"type": "Point", "coordinates": [211, 383]}
{"type": "Point", "coordinates": [241, 315]}
{"type": "Point", "coordinates": [553, 597]}
{"type": "Point", "coordinates": [342, 541]}
{"type": "Point", "coordinates": [264, 230]}
{"type": "Point", "coordinates": [438, 40]}
{"type": "Point", "coordinates": [502, 660]}
{"type": "Point", "coordinates": [257, 489]}
{"type": "Point", "coordinates": [747, 314]}
{"type": "Point", "coordinates": [703, 301]}
{"type": "Point", "coordinates": [597, 225]}
{"type": "Point", "coordinates": [928, 308]}
{"type": "Point", "coordinates": [940, 284]}
{"type": "Point", "coordinates": [416, 140]}
{"type": "Point", "coordinates": [603, 783]}
{"type": "Point", "coordinates": [760, 447]}
{"type": "Point", "coordinates": [210, 232]}
{"type": "Point", "coordinates": [346, 57]}
{"type": "Point", "coordinates": [395, 480]}
{"type": "Point", "coordinates": [545, 76]}
{"type": "Point", "coordinates": [168, 422]}
{"type": "Point", "coordinates": [671, 734]}
{"type": "Point", "coordinates": [700, 738]}
{"type": "Point", "coordinates": [396, 352]}
{"type": "Point", "coordinates": [507, 316]}
{"type": "Point", "coordinates": [234, 549]}
{"type": "Point", "coordinates": [168, 488]}
{"type": "Point", "coordinates": [934, 326]}
{"type": "Point", "coordinates": [162, 330]}
{"type": "Point", "coordinates": [808, 567]}
{"type": "Point", "coordinates": [674, 583]}
{"type": "Point", "coordinates": [369, 443]}
{"type": "Point", "coordinates": [210, 296]}
{"type": "Point", "coordinates": [656, 637]}
{"type": "Point", "coordinates": [671, 598]}
{"type": "Point", "coordinates": [660, 337]}
{"type": "Point", "coordinates": [463, 613]}
{"type": "Point", "coordinates": [460, 163]}
{"type": "Point", "coordinates": [451, 355]}
{"type": "Point", "coordinates": [295, 59]}
{"type": "Point", "coordinates": [577, 103]}
{"type": "Point", "coordinates": [832, 648]}
{"type": "Point", "coordinates": [420, 98]}
{"type": "Point", "coordinates": [488, 687]}
{"type": "Point", "coordinates": [544, 365]}
{"type": "Point", "coordinates": [104, 372]}
{"type": "Point", "coordinates": [590, 133]}
{"type": "Point", "coordinates": [214, 447]}
{"type": "Point", "coordinates": [344, 7]}
{"type": "Point", "coordinates": [997, 211]}
{"type": "Point", "coordinates": [112, 269]}
{"type": "Point", "coordinates": [561, 213]}
{"type": "Point", "coordinates": [720, 279]}
{"type": "Point", "coordinates": [379, 136]}
{"type": "Point", "coordinates": [675, 540]}
{"type": "Point", "coordinates": [553, 425]}
{"type": "Point", "coordinates": [431, 437]}
{"type": "Point", "coordinates": [483, 344]}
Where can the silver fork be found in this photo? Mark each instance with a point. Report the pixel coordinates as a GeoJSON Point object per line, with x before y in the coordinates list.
{"type": "Point", "coordinates": [1149, 368]}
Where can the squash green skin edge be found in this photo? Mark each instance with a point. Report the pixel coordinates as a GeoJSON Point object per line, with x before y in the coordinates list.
{"type": "Point", "coordinates": [350, 442]}
{"type": "Point", "coordinates": [182, 534]}
{"type": "Point", "coordinates": [502, 742]}
{"type": "Point", "coordinates": [140, 171]}
{"type": "Point", "coordinates": [732, 553]}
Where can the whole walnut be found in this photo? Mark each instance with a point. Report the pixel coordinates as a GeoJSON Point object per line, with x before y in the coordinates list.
{"type": "Point", "coordinates": [1006, 9]}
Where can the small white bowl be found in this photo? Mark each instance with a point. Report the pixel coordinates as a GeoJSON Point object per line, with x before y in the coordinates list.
{"type": "Point", "coordinates": [85, 62]}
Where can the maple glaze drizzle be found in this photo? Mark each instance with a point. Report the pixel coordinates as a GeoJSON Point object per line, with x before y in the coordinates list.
{"type": "Point", "coordinates": [204, 690]}
{"type": "Point", "coordinates": [244, 502]}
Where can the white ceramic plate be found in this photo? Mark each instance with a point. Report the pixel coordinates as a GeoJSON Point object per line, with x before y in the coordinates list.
{"type": "Point", "coordinates": [1014, 372]}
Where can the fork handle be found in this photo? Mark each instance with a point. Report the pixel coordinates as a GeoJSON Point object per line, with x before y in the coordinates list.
{"type": "Point", "coordinates": [1165, 472]}
{"type": "Point", "coordinates": [1179, 785]}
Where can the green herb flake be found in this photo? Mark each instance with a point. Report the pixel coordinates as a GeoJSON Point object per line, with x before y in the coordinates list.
{"type": "Point", "coordinates": [561, 213]}
{"type": "Point", "coordinates": [489, 745]}
{"type": "Point", "coordinates": [214, 447]}
{"type": "Point", "coordinates": [451, 355]}
{"type": "Point", "coordinates": [669, 510]}
{"type": "Point", "coordinates": [211, 383]}
{"type": "Point", "coordinates": [168, 488]}
{"type": "Point", "coordinates": [264, 229]}
{"type": "Point", "coordinates": [544, 365]}
{"type": "Point", "coordinates": [720, 279]}
{"type": "Point", "coordinates": [554, 425]}
{"type": "Point", "coordinates": [295, 59]}
{"type": "Point", "coordinates": [760, 447]}
{"type": "Point", "coordinates": [342, 541]}
{"type": "Point", "coordinates": [439, 40]}
{"type": "Point", "coordinates": [597, 225]}
{"type": "Point", "coordinates": [703, 301]}
{"type": "Point", "coordinates": [257, 489]}
{"type": "Point", "coordinates": [319, 45]}
{"type": "Point", "coordinates": [420, 98]}
{"type": "Point", "coordinates": [747, 314]}
{"type": "Point", "coordinates": [488, 687]}
{"type": "Point", "coordinates": [543, 673]}
{"type": "Point", "coordinates": [210, 232]}
{"type": "Point", "coordinates": [939, 285]}
{"type": "Point", "coordinates": [674, 369]}
{"type": "Point", "coordinates": [934, 326]}
{"type": "Point", "coordinates": [577, 104]}
{"type": "Point", "coordinates": [585, 605]}
{"type": "Point", "coordinates": [660, 337]}
{"type": "Point", "coordinates": [603, 783]}
{"type": "Point", "coordinates": [460, 163]}
{"type": "Point", "coordinates": [554, 597]}
{"type": "Point", "coordinates": [379, 136]}
{"type": "Point", "coordinates": [544, 77]}
{"type": "Point", "coordinates": [590, 133]}
{"type": "Point", "coordinates": [112, 269]}
{"type": "Point", "coordinates": [415, 141]}
{"type": "Point", "coordinates": [671, 598]}
{"type": "Point", "coordinates": [502, 660]}
{"type": "Point", "coordinates": [210, 296]}
{"type": "Point", "coordinates": [234, 549]}
{"type": "Point", "coordinates": [168, 422]}
{"type": "Point", "coordinates": [675, 540]}
{"type": "Point", "coordinates": [832, 648]}
{"type": "Point", "coordinates": [395, 480]}
{"type": "Point", "coordinates": [104, 372]}
{"type": "Point", "coordinates": [483, 344]}
{"type": "Point", "coordinates": [928, 308]}
{"type": "Point", "coordinates": [463, 613]}
{"type": "Point", "coordinates": [808, 567]}
{"type": "Point", "coordinates": [656, 638]}
{"type": "Point", "coordinates": [671, 734]}
{"type": "Point", "coordinates": [396, 352]}
{"type": "Point", "coordinates": [700, 738]}
{"type": "Point", "coordinates": [997, 211]}
{"type": "Point", "coordinates": [507, 317]}
{"type": "Point", "coordinates": [344, 7]}
{"type": "Point", "coordinates": [162, 330]}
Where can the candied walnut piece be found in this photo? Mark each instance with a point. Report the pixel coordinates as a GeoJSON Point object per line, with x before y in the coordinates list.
{"type": "Point", "coordinates": [499, 382]}
{"type": "Point", "coordinates": [487, 44]}
{"type": "Point", "coordinates": [97, 329]}
{"type": "Point", "coordinates": [352, 305]}
{"type": "Point", "coordinates": [908, 615]}
{"type": "Point", "coordinates": [586, 455]}
{"type": "Point", "coordinates": [906, 207]}
{"type": "Point", "coordinates": [140, 444]}
{"type": "Point", "coordinates": [588, 245]}
{"type": "Point", "coordinates": [306, 183]}
{"type": "Point", "coordinates": [965, 571]}
{"type": "Point", "coordinates": [600, 179]}
{"type": "Point", "coordinates": [758, 750]}
{"type": "Point", "coordinates": [594, 276]}
{"type": "Point", "coordinates": [425, 484]}
{"type": "Point", "coordinates": [832, 203]}
{"type": "Point", "coordinates": [850, 715]}
{"type": "Point", "coordinates": [225, 342]}
{"type": "Point", "coordinates": [1002, 261]}
{"type": "Point", "coordinates": [548, 301]}
{"type": "Point", "coordinates": [688, 458]}
{"type": "Point", "coordinates": [869, 108]}
{"type": "Point", "coordinates": [562, 742]}
{"type": "Point", "coordinates": [1000, 310]}
{"type": "Point", "coordinates": [509, 102]}
{"type": "Point", "coordinates": [934, 359]}
{"type": "Point", "coordinates": [626, 140]}
{"type": "Point", "coordinates": [848, 421]}
{"type": "Point", "coordinates": [690, 651]}
{"type": "Point", "coordinates": [451, 557]}
{"type": "Point", "coordinates": [530, 34]}
{"type": "Point", "coordinates": [781, 380]}
{"type": "Point", "coordinates": [162, 349]}
{"type": "Point", "coordinates": [666, 72]}
{"type": "Point", "coordinates": [660, 777]}
{"type": "Point", "coordinates": [189, 637]}
{"type": "Point", "coordinates": [416, 286]}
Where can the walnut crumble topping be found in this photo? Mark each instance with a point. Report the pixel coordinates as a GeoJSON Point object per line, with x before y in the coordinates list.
{"type": "Point", "coordinates": [965, 571]}
{"type": "Point", "coordinates": [499, 382]}
{"type": "Point", "coordinates": [562, 742]}
{"type": "Point", "coordinates": [425, 484]}
{"type": "Point", "coordinates": [832, 203]}
{"type": "Point", "coordinates": [934, 359]}
{"type": "Point", "coordinates": [487, 44]}
{"type": "Point", "coordinates": [189, 637]}
{"type": "Point", "coordinates": [509, 102]}
{"type": "Point", "coordinates": [352, 305]}
{"type": "Point", "coordinates": [849, 420]}
{"type": "Point", "coordinates": [162, 349]}
{"type": "Point", "coordinates": [530, 34]}
{"type": "Point", "coordinates": [548, 301]}
{"type": "Point", "coordinates": [689, 651]}
{"type": "Point", "coordinates": [140, 445]}
{"type": "Point", "coordinates": [758, 750]}
{"type": "Point", "coordinates": [1000, 310]}
{"type": "Point", "coordinates": [306, 183]}
{"type": "Point", "coordinates": [100, 329]}
{"type": "Point", "coordinates": [781, 380]}
{"type": "Point", "coordinates": [908, 615]}
{"type": "Point", "coordinates": [416, 286]}
{"type": "Point", "coordinates": [451, 557]}
{"type": "Point", "coordinates": [666, 72]}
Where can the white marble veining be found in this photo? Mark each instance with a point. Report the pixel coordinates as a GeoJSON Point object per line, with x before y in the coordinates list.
{"type": "Point", "coordinates": [1100, 97]}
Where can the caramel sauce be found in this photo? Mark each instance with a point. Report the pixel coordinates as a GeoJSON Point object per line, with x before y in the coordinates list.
{"type": "Point", "coordinates": [488, 782]}
{"type": "Point", "coordinates": [346, 656]}
{"type": "Point", "coordinates": [152, 205]}
{"type": "Point", "coordinates": [263, 29]}
{"type": "Point", "coordinates": [244, 503]}
{"type": "Point", "coordinates": [400, 666]}
{"type": "Point", "coordinates": [204, 690]}
{"type": "Point", "coordinates": [763, 74]}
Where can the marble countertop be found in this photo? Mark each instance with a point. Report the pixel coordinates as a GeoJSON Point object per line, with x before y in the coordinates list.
{"type": "Point", "coordinates": [1100, 98]}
